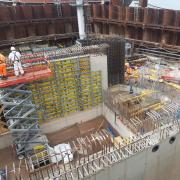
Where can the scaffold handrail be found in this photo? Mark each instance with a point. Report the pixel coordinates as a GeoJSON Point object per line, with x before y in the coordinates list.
{"type": "Point", "coordinates": [35, 69]}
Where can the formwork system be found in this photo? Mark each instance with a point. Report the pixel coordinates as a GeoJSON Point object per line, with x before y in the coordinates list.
{"type": "Point", "coordinates": [70, 86]}
{"type": "Point", "coordinates": [73, 88]}
{"type": "Point", "coordinates": [150, 120]}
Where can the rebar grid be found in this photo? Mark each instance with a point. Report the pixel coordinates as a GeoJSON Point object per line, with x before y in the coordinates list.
{"type": "Point", "coordinates": [142, 111]}
{"type": "Point", "coordinates": [76, 50]}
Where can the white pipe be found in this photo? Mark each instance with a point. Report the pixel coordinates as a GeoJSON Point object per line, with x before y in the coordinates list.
{"type": "Point", "coordinates": [81, 21]}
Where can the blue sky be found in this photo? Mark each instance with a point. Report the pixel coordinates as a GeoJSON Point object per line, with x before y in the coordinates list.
{"type": "Point", "coordinates": [169, 4]}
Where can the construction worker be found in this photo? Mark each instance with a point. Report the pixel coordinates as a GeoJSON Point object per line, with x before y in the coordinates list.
{"type": "Point", "coordinates": [15, 58]}
{"type": "Point", "coordinates": [128, 71]}
{"type": "Point", "coordinates": [128, 74]}
{"type": "Point", "coordinates": [3, 72]}
{"type": "Point", "coordinates": [136, 73]}
{"type": "Point", "coordinates": [132, 75]}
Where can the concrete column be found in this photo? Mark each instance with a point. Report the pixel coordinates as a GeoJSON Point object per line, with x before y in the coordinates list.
{"type": "Point", "coordinates": [81, 21]}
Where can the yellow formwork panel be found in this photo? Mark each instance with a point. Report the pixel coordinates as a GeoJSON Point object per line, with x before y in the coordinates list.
{"type": "Point", "coordinates": [97, 87]}
{"type": "Point", "coordinates": [47, 99]}
{"type": "Point", "coordinates": [61, 95]}
{"type": "Point", "coordinates": [48, 87]}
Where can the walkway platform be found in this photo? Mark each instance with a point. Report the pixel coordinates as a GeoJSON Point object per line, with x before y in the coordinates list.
{"type": "Point", "coordinates": [28, 77]}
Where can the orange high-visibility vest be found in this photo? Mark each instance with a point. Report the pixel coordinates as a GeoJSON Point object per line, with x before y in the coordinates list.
{"type": "Point", "coordinates": [3, 71]}
{"type": "Point", "coordinates": [129, 70]}
{"type": "Point", "coordinates": [2, 60]}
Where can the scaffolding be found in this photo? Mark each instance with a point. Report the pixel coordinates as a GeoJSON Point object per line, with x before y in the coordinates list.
{"type": "Point", "coordinates": [19, 111]}
{"type": "Point", "coordinates": [21, 118]}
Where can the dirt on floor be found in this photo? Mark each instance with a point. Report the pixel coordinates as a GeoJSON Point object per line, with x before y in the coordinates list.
{"type": "Point", "coordinates": [77, 130]}
{"type": "Point", "coordinates": [8, 155]}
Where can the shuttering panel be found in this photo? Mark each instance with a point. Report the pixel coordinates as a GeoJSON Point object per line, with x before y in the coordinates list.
{"type": "Point", "coordinates": [72, 88]}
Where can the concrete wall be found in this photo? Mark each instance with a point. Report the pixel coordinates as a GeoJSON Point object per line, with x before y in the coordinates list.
{"type": "Point", "coordinates": [116, 123]}
{"type": "Point", "coordinates": [99, 63]}
{"type": "Point", "coordinates": [60, 123]}
{"type": "Point", "coordinates": [163, 164]}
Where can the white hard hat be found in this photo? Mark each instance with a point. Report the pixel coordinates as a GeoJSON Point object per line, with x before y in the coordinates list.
{"type": "Point", "coordinates": [126, 64]}
{"type": "Point", "coordinates": [13, 48]}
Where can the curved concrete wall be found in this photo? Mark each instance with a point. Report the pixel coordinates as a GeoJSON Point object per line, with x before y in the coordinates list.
{"type": "Point", "coordinates": [147, 165]}
{"type": "Point", "coordinates": [148, 26]}
{"type": "Point", "coordinates": [35, 22]}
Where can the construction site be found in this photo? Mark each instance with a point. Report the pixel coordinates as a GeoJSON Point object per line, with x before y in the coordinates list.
{"type": "Point", "coordinates": [89, 89]}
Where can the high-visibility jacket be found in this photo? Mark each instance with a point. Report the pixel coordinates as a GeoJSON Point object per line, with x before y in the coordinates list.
{"type": "Point", "coordinates": [129, 71]}
{"type": "Point", "coordinates": [3, 71]}
{"type": "Point", "coordinates": [2, 60]}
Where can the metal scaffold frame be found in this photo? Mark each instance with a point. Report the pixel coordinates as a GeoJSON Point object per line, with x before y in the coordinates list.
{"type": "Point", "coordinates": [21, 118]}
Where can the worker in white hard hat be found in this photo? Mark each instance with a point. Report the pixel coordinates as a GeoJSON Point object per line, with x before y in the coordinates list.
{"type": "Point", "coordinates": [15, 58]}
